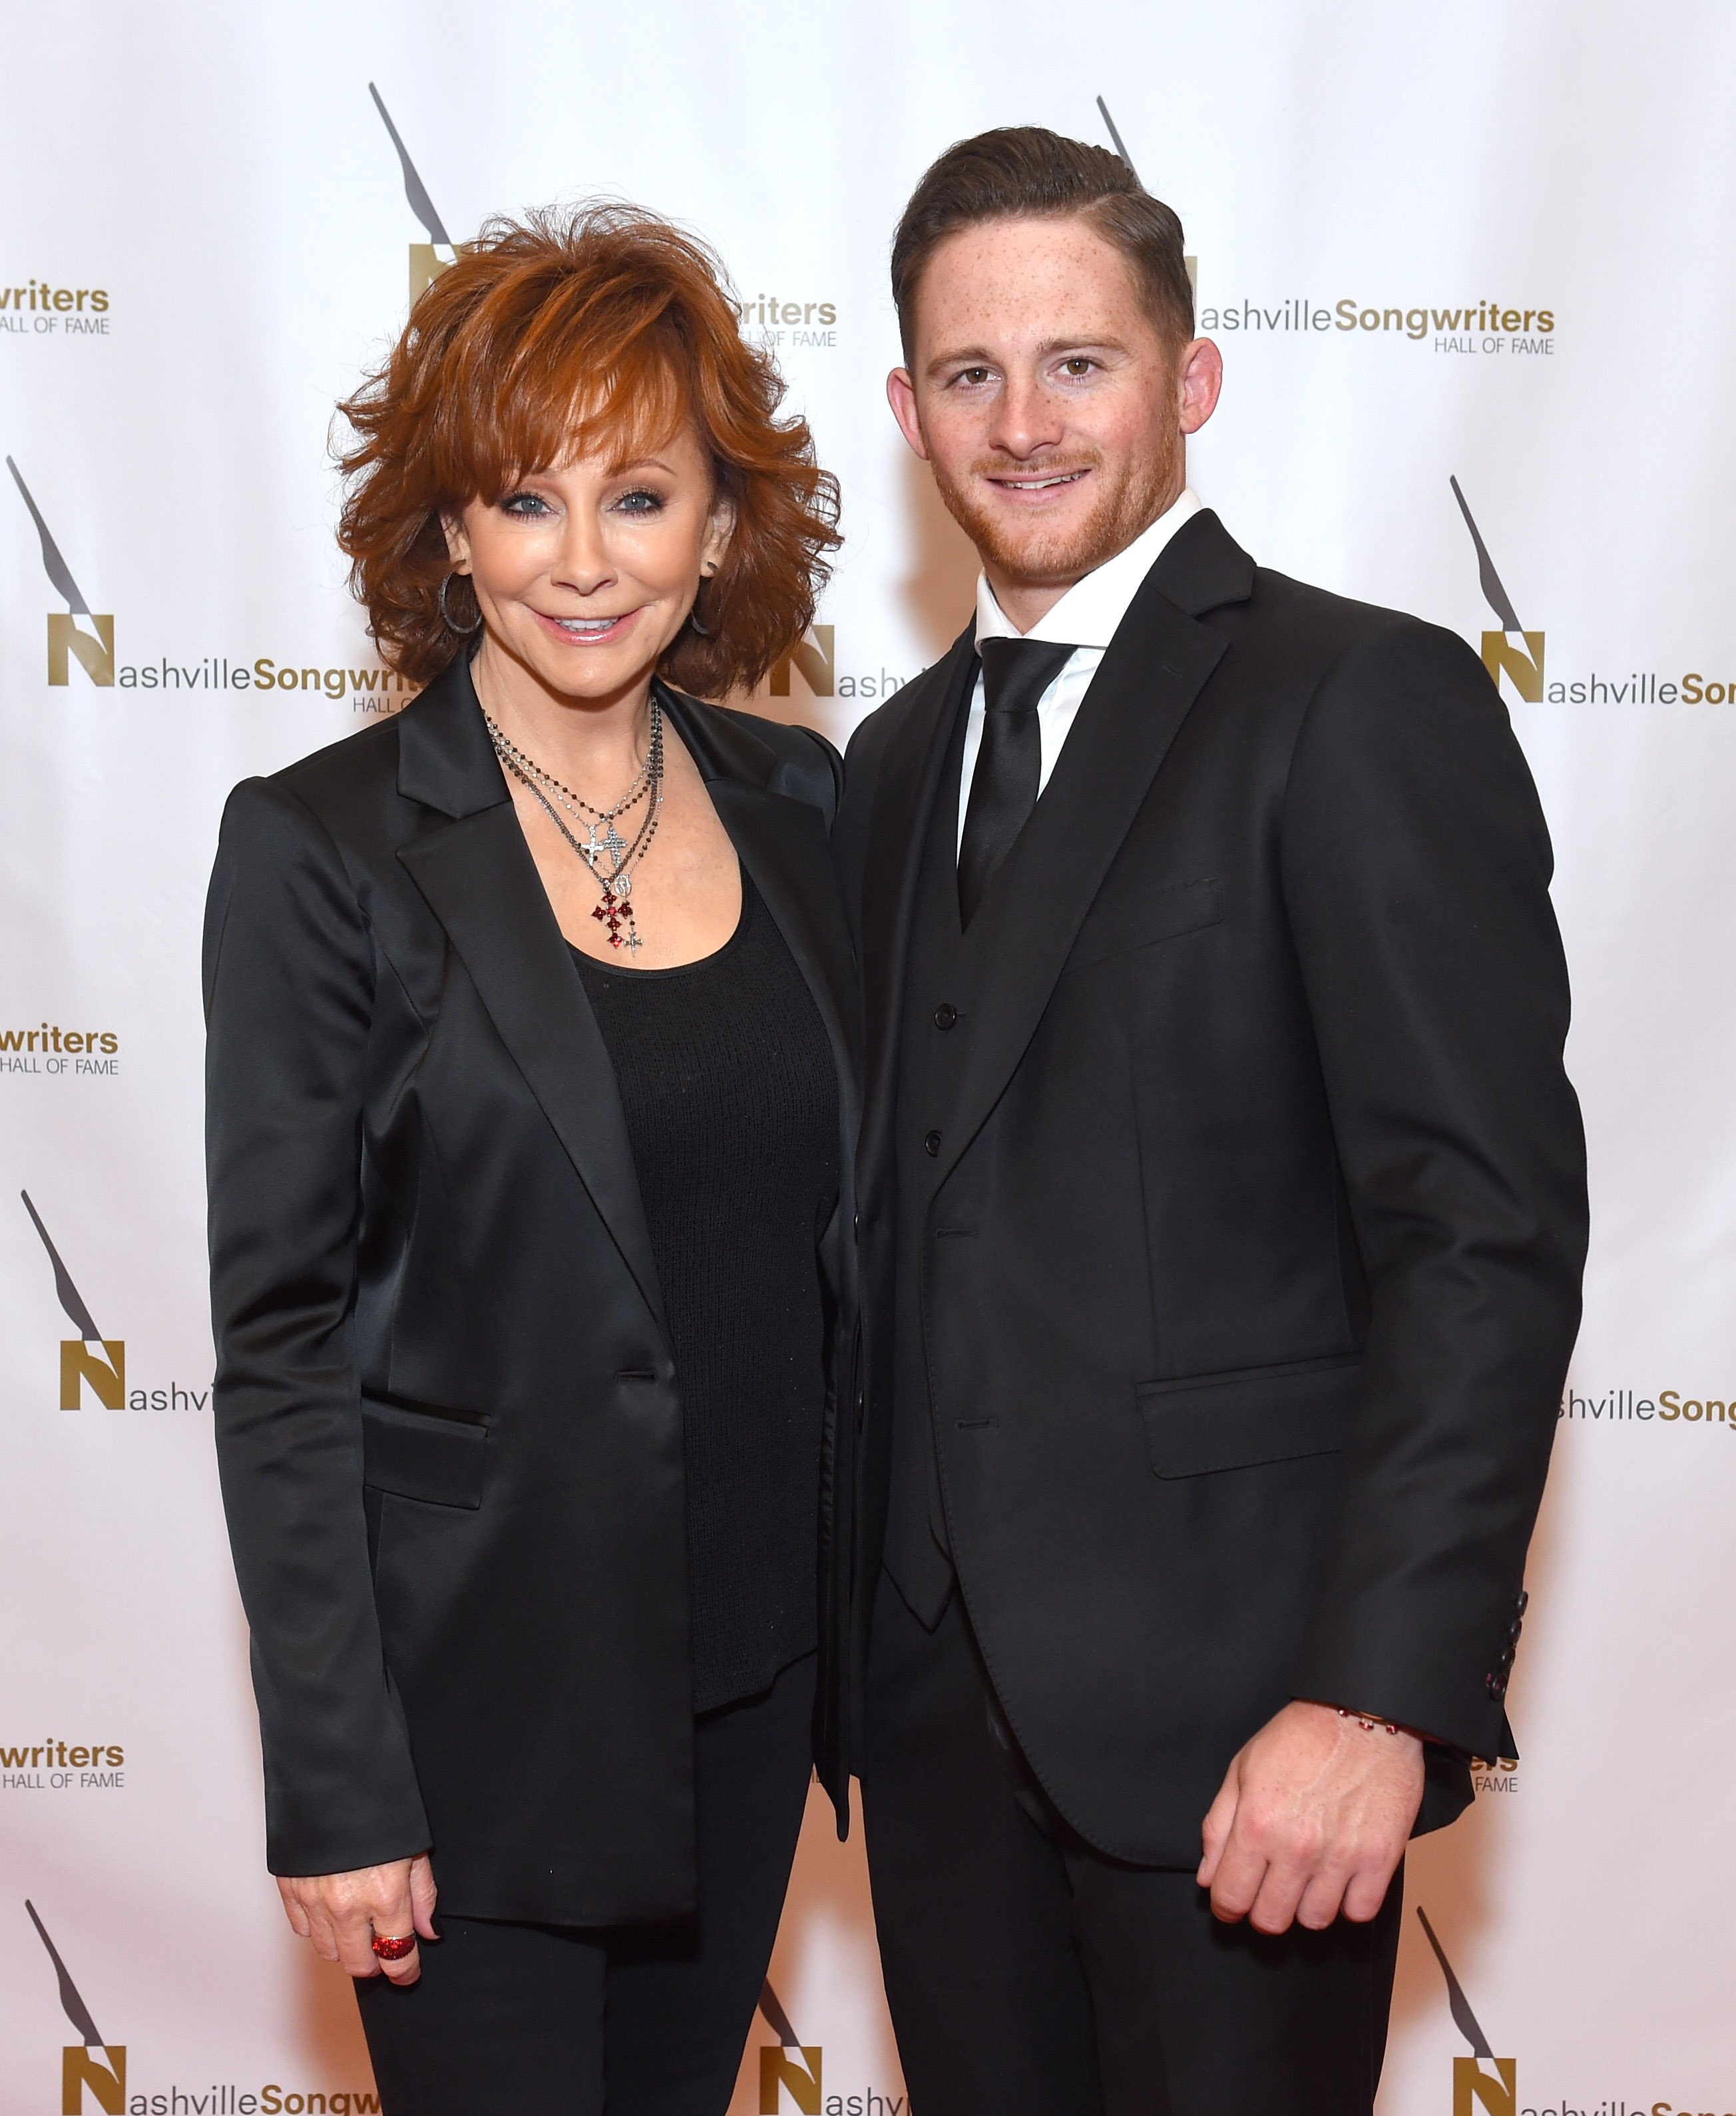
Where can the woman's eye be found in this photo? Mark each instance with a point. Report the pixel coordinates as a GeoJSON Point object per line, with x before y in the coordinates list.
{"type": "Point", "coordinates": [641, 501]}
{"type": "Point", "coordinates": [526, 505]}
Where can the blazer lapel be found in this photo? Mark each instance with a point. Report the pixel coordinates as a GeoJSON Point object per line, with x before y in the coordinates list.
{"type": "Point", "coordinates": [476, 874]}
{"type": "Point", "coordinates": [1154, 669]}
{"type": "Point", "coordinates": [904, 802]}
{"type": "Point", "coordinates": [781, 843]}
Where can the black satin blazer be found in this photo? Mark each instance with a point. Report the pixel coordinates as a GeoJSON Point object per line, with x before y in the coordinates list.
{"type": "Point", "coordinates": [449, 1422]}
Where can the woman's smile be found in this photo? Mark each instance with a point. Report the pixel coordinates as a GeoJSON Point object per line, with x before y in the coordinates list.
{"type": "Point", "coordinates": [587, 631]}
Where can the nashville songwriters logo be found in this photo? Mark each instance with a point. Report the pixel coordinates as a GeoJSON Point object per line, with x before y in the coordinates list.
{"type": "Point", "coordinates": [814, 658]}
{"type": "Point", "coordinates": [1495, 2090]}
{"type": "Point", "coordinates": [90, 2062]}
{"type": "Point", "coordinates": [1518, 654]}
{"type": "Point", "coordinates": [1521, 663]}
{"type": "Point", "coordinates": [427, 260]}
{"type": "Point", "coordinates": [789, 2067]}
{"type": "Point", "coordinates": [788, 2062]}
{"type": "Point", "coordinates": [93, 649]}
{"type": "Point", "coordinates": [90, 1360]}
{"type": "Point", "coordinates": [91, 2066]}
{"type": "Point", "coordinates": [90, 1357]}
{"type": "Point", "coordinates": [82, 635]}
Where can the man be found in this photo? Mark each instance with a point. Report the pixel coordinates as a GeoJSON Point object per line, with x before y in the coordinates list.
{"type": "Point", "coordinates": [1222, 1213]}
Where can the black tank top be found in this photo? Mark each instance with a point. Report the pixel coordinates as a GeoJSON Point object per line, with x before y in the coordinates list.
{"type": "Point", "coordinates": [730, 1093]}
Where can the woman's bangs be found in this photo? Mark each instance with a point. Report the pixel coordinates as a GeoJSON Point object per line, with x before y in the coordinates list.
{"type": "Point", "coordinates": [584, 397]}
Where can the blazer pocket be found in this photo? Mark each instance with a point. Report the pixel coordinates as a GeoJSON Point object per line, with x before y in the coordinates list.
{"type": "Point", "coordinates": [436, 1456]}
{"type": "Point", "coordinates": [1232, 1421]}
{"type": "Point", "coordinates": [1142, 921]}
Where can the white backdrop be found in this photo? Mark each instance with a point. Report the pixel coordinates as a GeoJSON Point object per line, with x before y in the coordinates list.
{"type": "Point", "coordinates": [206, 234]}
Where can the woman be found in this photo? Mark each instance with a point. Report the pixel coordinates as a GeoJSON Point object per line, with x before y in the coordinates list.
{"type": "Point", "coordinates": [530, 1126]}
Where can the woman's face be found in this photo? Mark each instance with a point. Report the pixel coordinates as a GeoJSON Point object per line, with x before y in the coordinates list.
{"type": "Point", "coordinates": [585, 573]}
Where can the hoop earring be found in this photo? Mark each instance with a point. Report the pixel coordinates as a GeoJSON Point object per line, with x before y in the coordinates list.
{"type": "Point", "coordinates": [463, 631]}
{"type": "Point", "coordinates": [704, 631]}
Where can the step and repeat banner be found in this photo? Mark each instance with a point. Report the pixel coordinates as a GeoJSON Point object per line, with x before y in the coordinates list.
{"type": "Point", "coordinates": [1470, 271]}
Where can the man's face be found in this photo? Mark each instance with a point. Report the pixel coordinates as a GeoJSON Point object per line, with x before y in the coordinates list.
{"type": "Point", "coordinates": [1049, 401]}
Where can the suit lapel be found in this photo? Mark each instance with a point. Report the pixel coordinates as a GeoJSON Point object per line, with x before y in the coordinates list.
{"type": "Point", "coordinates": [476, 874]}
{"type": "Point", "coordinates": [904, 801]}
{"type": "Point", "coordinates": [1154, 669]}
{"type": "Point", "coordinates": [481, 884]}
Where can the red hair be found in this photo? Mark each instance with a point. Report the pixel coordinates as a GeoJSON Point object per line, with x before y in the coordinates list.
{"type": "Point", "coordinates": [598, 326]}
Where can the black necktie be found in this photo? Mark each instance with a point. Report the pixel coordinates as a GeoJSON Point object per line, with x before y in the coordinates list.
{"type": "Point", "coordinates": [1003, 790]}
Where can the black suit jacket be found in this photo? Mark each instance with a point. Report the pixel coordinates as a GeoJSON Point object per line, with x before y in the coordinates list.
{"type": "Point", "coordinates": [1253, 1270]}
{"type": "Point", "coordinates": [448, 1420]}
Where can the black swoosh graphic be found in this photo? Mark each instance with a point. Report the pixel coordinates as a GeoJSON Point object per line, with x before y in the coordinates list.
{"type": "Point", "coordinates": [420, 205]}
{"type": "Point", "coordinates": [1498, 600]}
{"type": "Point", "coordinates": [1116, 136]}
{"type": "Point", "coordinates": [777, 2019]}
{"type": "Point", "coordinates": [55, 567]}
{"type": "Point", "coordinates": [70, 1299]}
{"type": "Point", "coordinates": [72, 2005]}
{"type": "Point", "coordinates": [1457, 2004]}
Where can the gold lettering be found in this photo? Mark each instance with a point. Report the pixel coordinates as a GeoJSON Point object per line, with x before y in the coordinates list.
{"type": "Point", "coordinates": [79, 1363]}
{"type": "Point", "coordinates": [1501, 656]}
{"type": "Point", "coordinates": [816, 658]}
{"type": "Point", "coordinates": [1472, 2084]}
{"type": "Point", "coordinates": [96, 656]}
{"type": "Point", "coordinates": [778, 2068]}
{"type": "Point", "coordinates": [105, 2075]}
{"type": "Point", "coordinates": [426, 265]}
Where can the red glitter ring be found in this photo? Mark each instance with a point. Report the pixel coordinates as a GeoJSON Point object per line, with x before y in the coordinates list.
{"type": "Point", "coordinates": [394, 1950]}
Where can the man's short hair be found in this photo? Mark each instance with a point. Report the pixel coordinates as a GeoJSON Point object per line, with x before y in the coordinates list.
{"type": "Point", "coordinates": [1022, 172]}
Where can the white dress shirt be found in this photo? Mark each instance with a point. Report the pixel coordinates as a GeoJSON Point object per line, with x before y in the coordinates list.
{"type": "Point", "coordinates": [1087, 615]}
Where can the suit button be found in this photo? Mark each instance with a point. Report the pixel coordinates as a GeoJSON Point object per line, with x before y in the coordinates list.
{"type": "Point", "coordinates": [932, 1145]}
{"type": "Point", "coordinates": [945, 1014]}
{"type": "Point", "coordinates": [1496, 1685]}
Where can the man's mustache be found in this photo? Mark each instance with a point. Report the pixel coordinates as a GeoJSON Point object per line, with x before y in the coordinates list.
{"type": "Point", "coordinates": [996, 466]}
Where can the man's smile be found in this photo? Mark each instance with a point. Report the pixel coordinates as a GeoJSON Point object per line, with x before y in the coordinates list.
{"type": "Point", "coordinates": [1039, 481]}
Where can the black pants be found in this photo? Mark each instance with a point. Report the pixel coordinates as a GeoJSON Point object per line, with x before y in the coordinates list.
{"type": "Point", "coordinates": [523, 2020]}
{"type": "Point", "coordinates": [1029, 1975]}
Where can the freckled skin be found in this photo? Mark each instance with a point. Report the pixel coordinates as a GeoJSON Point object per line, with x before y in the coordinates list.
{"type": "Point", "coordinates": [1037, 357]}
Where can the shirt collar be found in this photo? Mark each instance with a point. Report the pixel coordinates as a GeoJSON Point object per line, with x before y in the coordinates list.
{"type": "Point", "coordinates": [1089, 613]}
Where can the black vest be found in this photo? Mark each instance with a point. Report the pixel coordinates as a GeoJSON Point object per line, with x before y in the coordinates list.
{"type": "Point", "coordinates": [933, 1038]}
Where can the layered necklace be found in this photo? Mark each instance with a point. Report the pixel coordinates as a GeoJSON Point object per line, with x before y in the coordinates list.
{"type": "Point", "coordinates": [611, 858]}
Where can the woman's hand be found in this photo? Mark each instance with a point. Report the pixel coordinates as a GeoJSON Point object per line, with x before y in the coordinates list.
{"type": "Point", "coordinates": [342, 1913]}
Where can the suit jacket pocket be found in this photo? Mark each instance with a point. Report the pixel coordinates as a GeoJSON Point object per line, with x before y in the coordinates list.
{"type": "Point", "coordinates": [436, 1455]}
{"type": "Point", "coordinates": [1231, 1421]}
{"type": "Point", "coordinates": [1144, 918]}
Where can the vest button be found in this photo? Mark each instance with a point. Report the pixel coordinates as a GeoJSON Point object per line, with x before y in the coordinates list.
{"type": "Point", "coordinates": [932, 1145]}
{"type": "Point", "coordinates": [945, 1014]}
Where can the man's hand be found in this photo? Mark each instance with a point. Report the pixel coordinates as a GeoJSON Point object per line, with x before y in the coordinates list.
{"type": "Point", "coordinates": [1311, 1820]}
{"type": "Point", "coordinates": [341, 1914]}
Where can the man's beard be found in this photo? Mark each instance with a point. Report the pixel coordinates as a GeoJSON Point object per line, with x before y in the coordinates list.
{"type": "Point", "coordinates": [1059, 556]}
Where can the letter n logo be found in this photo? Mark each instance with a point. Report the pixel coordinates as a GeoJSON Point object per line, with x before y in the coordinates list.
{"type": "Point", "coordinates": [106, 1373]}
{"type": "Point", "coordinates": [778, 2068]}
{"type": "Point", "coordinates": [103, 2071]}
{"type": "Point", "coordinates": [427, 262]}
{"type": "Point", "coordinates": [96, 657]}
{"type": "Point", "coordinates": [1472, 2086]}
{"type": "Point", "coordinates": [817, 658]}
{"type": "Point", "coordinates": [1523, 664]}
